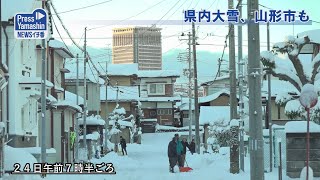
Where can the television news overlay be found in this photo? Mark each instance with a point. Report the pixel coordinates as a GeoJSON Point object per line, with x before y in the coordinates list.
{"type": "Point", "coordinates": [63, 168]}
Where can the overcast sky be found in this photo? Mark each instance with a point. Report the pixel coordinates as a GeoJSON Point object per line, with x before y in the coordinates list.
{"type": "Point", "coordinates": [118, 10]}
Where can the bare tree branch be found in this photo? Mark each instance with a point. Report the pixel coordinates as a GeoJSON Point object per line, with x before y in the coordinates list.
{"type": "Point", "coordinates": [296, 61]}
{"type": "Point", "coordinates": [315, 69]}
{"type": "Point", "coordinates": [285, 77]}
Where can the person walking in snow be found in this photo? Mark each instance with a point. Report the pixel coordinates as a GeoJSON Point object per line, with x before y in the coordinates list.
{"type": "Point", "coordinates": [172, 152]}
{"type": "Point", "coordinates": [192, 146]}
{"type": "Point", "coordinates": [180, 152]}
{"type": "Point", "coordinates": [184, 152]}
{"type": "Point", "coordinates": [123, 145]}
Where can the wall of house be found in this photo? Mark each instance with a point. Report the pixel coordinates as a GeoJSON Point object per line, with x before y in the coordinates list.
{"type": "Point", "coordinates": [22, 59]}
{"type": "Point", "coordinates": [122, 80]}
{"type": "Point", "coordinates": [93, 101]}
{"type": "Point", "coordinates": [57, 134]}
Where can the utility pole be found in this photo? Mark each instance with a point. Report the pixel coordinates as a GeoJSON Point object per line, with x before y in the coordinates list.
{"type": "Point", "coordinates": [76, 144]}
{"type": "Point", "coordinates": [43, 98]}
{"type": "Point", "coordinates": [196, 105]}
{"type": "Point", "coordinates": [269, 102]}
{"type": "Point", "coordinates": [240, 78]}
{"type": "Point", "coordinates": [190, 92]}
{"type": "Point", "coordinates": [255, 106]}
{"type": "Point", "coordinates": [85, 95]}
{"type": "Point", "coordinates": [106, 127]}
{"type": "Point", "coordinates": [234, 150]}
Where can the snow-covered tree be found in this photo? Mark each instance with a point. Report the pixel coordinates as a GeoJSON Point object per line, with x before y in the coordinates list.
{"type": "Point", "coordinates": [139, 114]}
{"type": "Point", "coordinates": [115, 116]}
{"type": "Point", "coordinates": [286, 62]}
{"type": "Point", "coordinates": [219, 131]}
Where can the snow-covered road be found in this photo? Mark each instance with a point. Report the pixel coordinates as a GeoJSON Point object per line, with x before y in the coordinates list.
{"type": "Point", "coordinates": [149, 161]}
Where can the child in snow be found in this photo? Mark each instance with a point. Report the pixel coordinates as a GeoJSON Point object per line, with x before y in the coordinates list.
{"type": "Point", "coordinates": [123, 145]}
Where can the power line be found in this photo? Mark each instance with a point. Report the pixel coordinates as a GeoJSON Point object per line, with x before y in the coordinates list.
{"type": "Point", "coordinates": [150, 7]}
{"type": "Point", "coordinates": [55, 25]}
{"type": "Point", "coordinates": [103, 2]}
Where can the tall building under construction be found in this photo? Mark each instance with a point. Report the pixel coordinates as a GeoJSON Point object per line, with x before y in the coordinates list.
{"type": "Point", "coordinates": [140, 45]}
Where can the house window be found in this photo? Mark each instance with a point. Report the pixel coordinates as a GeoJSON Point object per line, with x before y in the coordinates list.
{"type": "Point", "coordinates": [156, 89]}
{"type": "Point", "coordinates": [164, 112]}
{"type": "Point", "coordinates": [153, 114]}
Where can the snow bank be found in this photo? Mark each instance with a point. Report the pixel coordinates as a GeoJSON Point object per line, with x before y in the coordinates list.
{"type": "Point", "coordinates": [301, 127]}
{"type": "Point", "coordinates": [37, 150]}
{"type": "Point", "coordinates": [16, 155]}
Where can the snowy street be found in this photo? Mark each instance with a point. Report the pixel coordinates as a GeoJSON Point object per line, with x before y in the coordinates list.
{"type": "Point", "coordinates": [149, 161]}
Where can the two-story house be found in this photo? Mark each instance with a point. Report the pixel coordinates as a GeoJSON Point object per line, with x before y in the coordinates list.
{"type": "Point", "coordinates": [156, 95]}
{"type": "Point", "coordinates": [24, 87]}
{"type": "Point", "coordinates": [62, 115]}
{"type": "Point", "coordinates": [153, 88]}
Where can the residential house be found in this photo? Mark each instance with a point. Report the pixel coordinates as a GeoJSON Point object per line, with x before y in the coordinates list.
{"type": "Point", "coordinates": [213, 86]}
{"type": "Point", "coordinates": [156, 95]}
{"type": "Point", "coordinates": [63, 112]}
{"type": "Point", "coordinates": [122, 89]}
{"type": "Point", "coordinates": [155, 91]}
{"type": "Point", "coordinates": [23, 90]}
{"type": "Point", "coordinates": [278, 89]}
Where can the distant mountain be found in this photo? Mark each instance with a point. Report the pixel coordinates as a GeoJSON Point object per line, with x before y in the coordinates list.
{"type": "Point", "coordinates": [207, 64]}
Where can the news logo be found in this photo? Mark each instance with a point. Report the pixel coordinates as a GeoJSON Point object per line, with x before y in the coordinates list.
{"type": "Point", "coordinates": [31, 26]}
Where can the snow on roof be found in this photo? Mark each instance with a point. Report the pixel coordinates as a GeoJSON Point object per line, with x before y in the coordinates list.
{"type": "Point", "coordinates": [69, 96]}
{"type": "Point", "coordinates": [122, 69]}
{"type": "Point", "coordinates": [211, 80]}
{"type": "Point", "coordinates": [158, 73]}
{"type": "Point", "coordinates": [121, 122]}
{"type": "Point", "coordinates": [51, 98]}
{"type": "Point", "coordinates": [93, 136]}
{"type": "Point", "coordinates": [278, 87]}
{"type": "Point", "coordinates": [60, 48]}
{"type": "Point", "coordinates": [127, 93]}
{"type": "Point", "coordinates": [37, 150]}
{"type": "Point", "coordinates": [301, 127]}
{"type": "Point", "coordinates": [312, 34]}
{"type": "Point", "coordinates": [213, 114]}
{"type": "Point", "coordinates": [16, 155]}
{"type": "Point", "coordinates": [213, 96]}
{"type": "Point", "coordinates": [34, 80]}
{"type": "Point", "coordinates": [93, 120]}
{"type": "Point", "coordinates": [69, 104]}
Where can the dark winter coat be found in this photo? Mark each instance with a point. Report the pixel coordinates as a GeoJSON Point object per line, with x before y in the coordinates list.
{"type": "Point", "coordinates": [172, 149]}
{"type": "Point", "coordinates": [185, 145]}
{"type": "Point", "coordinates": [123, 143]}
{"type": "Point", "coordinates": [192, 147]}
